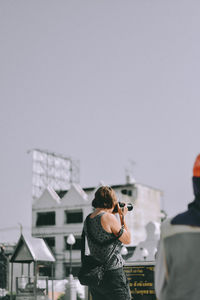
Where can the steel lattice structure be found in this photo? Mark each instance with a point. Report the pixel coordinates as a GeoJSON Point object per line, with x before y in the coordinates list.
{"type": "Point", "coordinates": [54, 170]}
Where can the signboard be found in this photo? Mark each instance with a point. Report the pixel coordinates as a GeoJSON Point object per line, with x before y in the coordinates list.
{"type": "Point", "coordinates": [141, 280]}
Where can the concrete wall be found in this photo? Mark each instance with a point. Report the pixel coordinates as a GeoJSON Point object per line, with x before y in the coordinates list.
{"type": "Point", "coordinates": [146, 202]}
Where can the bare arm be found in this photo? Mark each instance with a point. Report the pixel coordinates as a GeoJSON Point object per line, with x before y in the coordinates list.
{"type": "Point", "coordinates": [115, 225]}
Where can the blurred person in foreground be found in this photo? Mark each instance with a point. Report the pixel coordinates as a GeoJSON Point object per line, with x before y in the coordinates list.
{"type": "Point", "coordinates": [177, 271]}
{"type": "Point", "coordinates": [108, 232]}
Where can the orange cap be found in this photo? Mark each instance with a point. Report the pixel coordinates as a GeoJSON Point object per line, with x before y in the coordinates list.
{"type": "Point", "coordinates": [196, 168]}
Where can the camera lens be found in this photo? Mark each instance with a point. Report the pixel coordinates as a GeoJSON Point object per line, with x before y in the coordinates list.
{"type": "Point", "coordinates": [121, 204]}
{"type": "Point", "coordinates": [129, 205]}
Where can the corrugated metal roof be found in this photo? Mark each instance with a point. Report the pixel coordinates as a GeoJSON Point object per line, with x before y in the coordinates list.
{"type": "Point", "coordinates": [30, 249]}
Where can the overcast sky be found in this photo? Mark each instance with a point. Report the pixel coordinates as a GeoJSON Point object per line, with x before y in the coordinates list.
{"type": "Point", "coordinates": [106, 82]}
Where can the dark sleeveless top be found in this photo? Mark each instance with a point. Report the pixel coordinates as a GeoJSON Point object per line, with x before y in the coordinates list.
{"type": "Point", "coordinates": [100, 251]}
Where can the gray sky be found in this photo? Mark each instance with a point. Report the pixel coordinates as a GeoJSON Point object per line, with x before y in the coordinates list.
{"type": "Point", "coordinates": [105, 82]}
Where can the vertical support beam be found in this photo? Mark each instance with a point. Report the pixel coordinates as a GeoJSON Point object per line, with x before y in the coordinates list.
{"type": "Point", "coordinates": [16, 284]}
{"type": "Point", "coordinates": [47, 287]}
{"type": "Point", "coordinates": [70, 292]}
{"type": "Point", "coordinates": [29, 272]}
{"type": "Point", "coordinates": [35, 280]}
{"type": "Point", "coordinates": [11, 288]}
{"type": "Point", "coordinates": [22, 269]}
{"type": "Point", "coordinates": [8, 274]}
{"type": "Point", "coordinates": [52, 281]}
{"type": "Point", "coordinates": [70, 260]}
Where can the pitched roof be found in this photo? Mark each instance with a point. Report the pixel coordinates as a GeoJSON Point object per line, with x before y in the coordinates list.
{"type": "Point", "coordinates": [61, 193]}
{"type": "Point", "coordinates": [30, 249]}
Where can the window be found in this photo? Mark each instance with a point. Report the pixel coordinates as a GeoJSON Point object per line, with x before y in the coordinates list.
{"type": "Point", "coordinates": [129, 192]}
{"type": "Point", "coordinates": [75, 270]}
{"type": "Point", "coordinates": [45, 219]}
{"type": "Point", "coordinates": [75, 216]}
{"type": "Point", "coordinates": [126, 192]}
{"type": "Point", "coordinates": [46, 271]}
{"type": "Point", "coordinates": [50, 242]}
{"type": "Point", "coordinates": [76, 246]}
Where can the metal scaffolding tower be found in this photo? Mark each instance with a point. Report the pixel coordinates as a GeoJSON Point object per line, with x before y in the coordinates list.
{"type": "Point", "coordinates": [54, 170]}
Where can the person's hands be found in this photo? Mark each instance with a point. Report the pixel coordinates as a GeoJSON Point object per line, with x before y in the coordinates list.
{"type": "Point", "coordinates": [122, 211]}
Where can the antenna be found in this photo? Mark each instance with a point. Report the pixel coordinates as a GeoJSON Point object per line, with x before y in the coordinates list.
{"type": "Point", "coordinates": [20, 228]}
{"type": "Point", "coordinates": [129, 171]}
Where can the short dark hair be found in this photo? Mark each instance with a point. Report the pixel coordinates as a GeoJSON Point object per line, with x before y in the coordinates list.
{"type": "Point", "coordinates": [105, 197]}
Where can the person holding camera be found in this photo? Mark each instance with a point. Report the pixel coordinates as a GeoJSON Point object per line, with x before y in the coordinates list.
{"type": "Point", "coordinates": [105, 235]}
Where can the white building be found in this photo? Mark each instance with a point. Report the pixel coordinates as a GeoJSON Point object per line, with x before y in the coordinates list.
{"type": "Point", "coordinates": [57, 214]}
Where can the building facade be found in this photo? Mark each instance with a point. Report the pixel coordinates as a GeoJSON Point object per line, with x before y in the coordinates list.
{"type": "Point", "coordinates": [57, 214]}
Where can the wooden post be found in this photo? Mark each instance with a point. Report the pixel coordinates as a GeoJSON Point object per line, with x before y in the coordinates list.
{"type": "Point", "coordinates": [16, 284]}
{"type": "Point", "coordinates": [29, 272]}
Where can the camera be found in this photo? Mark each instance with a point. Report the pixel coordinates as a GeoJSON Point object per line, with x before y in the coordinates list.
{"type": "Point", "coordinates": [121, 204]}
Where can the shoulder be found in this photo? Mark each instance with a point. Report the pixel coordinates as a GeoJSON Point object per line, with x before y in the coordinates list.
{"type": "Point", "coordinates": [165, 227]}
{"type": "Point", "coordinates": [109, 217]}
{"type": "Point", "coordinates": [180, 219]}
{"type": "Point", "coordinates": [110, 220]}
{"type": "Point", "coordinates": [169, 229]}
